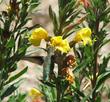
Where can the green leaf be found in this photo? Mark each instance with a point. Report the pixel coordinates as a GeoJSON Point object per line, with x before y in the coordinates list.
{"type": "Point", "coordinates": [103, 65]}
{"type": "Point", "coordinates": [104, 43]}
{"type": "Point", "coordinates": [17, 97]}
{"type": "Point", "coordinates": [63, 3]}
{"type": "Point", "coordinates": [16, 76]}
{"type": "Point", "coordinates": [53, 91]}
{"type": "Point", "coordinates": [22, 50]}
{"type": "Point", "coordinates": [101, 79]}
{"type": "Point", "coordinates": [51, 13]}
{"type": "Point", "coordinates": [33, 6]}
{"type": "Point", "coordinates": [88, 51]}
{"type": "Point", "coordinates": [82, 65]}
{"type": "Point", "coordinates": [54, 19]}
{"type": "Point", "coordinates": [78, 91]}
{"type": "Point", "coordinates": [98, 99]}
{"type": "Point", "coordinates": [12, 66]}
{"type": "Point", "coordinates": [10, 43]}
{"type": "Point", "coordinates": [104, 14]}
{"type": "Point", "coordinates": [85, 98]}
{"type": "Point", "coordinates": [8, 91]}
{"type": "Point", "coordinates": [47, 91]}
{"type": "Point", "coordinates": [67, 98]}
{"type": "Point", "coordinates": [91, 15]}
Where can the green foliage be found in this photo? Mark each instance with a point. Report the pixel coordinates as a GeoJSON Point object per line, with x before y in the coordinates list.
{"type": "Point", "coordinates": [13, 42]}
{"type": "Point", "coordinates": [88, 57]}
{"type": "Point", "coordinates": [11, 79]}
{"type": "Point", "coordinates": [49, 92]}
{"type": "Point", "coordinates": [9, 90]}
{"type": "Point", "coordinates": [85, 83]}
{"type": "Point", "coordinates": [97, 73]}
{"type": "Point", "coordinates": [68, 11]}
{"type": "Point", "coordinates": [17, 97]}
{"type": "Point", "coordinates": [101, 79]}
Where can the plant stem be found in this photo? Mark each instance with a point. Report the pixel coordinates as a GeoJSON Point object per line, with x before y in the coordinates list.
{"type": "Point", "coordinates": [94, 79]}
{"type": "Point", "coordinates": [58, 92]}
{"type": "Point", "coordinates": [58, 85]}
{"type": "Point", "coordinates": [58, 81]}
{"type": "Point", "coordinates": [95, 67]}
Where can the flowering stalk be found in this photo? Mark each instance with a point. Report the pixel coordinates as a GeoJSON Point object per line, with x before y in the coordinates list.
{"type": "Point", "coordinates": [95, 67]}
{"type": "Point", "coordinates": [68, 82]}
{"type": "Point", "coordinates": [99, 34]}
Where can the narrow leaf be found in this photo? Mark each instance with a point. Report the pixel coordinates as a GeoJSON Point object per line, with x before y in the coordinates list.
{"type": "Point", "coordinates": [10, 90]}
{"type": "Point", "coordinates": [101, 79]}
{"type": "Point", "coordinates": [16, 76]}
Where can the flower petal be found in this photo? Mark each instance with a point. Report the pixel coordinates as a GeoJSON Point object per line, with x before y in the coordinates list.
{"type": "Point", "coordinates": [83, 35]}
{"type": "Point", "coordinates": [60, 44]}
{"type": "Point", "coordinates": [37, 35]}
{"type": "Point", "coordinates": [35, 93]}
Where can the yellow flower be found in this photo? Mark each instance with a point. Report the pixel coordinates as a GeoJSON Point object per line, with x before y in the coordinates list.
{"type": "Point", "coordinates": [60, 44]}
{"type": "Point", "coordinates": [37, 35]}
{"type": "Point", "coordinates": [83, 35]}
{"type": "Point", "coordinates": [35, 93]}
